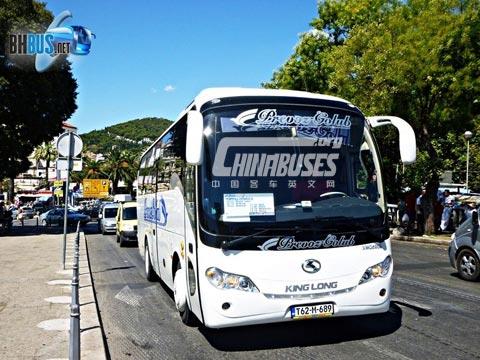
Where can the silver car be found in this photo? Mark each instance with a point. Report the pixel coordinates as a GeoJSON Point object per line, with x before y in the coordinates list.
{"type": "Point", "coordinates": [107, 218]}
{"type": "Point", "coordinates": [464, 249]}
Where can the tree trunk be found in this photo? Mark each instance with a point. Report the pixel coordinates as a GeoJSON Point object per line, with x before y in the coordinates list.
{"type": "Point", "coordinates": [11, 189]}
{"type": "Point", "coordinates": [431, 187]}
{"type": "Point", "coordinates": [114, 186]}
{"type": "Point", "coordinates": [428, 207]}
{"type": "Point", "coordinates": [47, 166]}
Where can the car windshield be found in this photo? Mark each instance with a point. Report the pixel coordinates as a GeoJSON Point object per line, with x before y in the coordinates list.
{"type": "Point", "coordinates": [129, 213]}
{"type": "Point", "coordinates": [110, 212]}
{"type": "Point", "coordinates": [277, 166]}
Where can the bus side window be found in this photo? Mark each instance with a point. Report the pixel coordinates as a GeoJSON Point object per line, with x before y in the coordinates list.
{"type": "Point", "coordinates": [189, 188]}
{"type": "Point", "coordinates": [172, 166]}
{"type": "Point", "coordinates": [366, 177]}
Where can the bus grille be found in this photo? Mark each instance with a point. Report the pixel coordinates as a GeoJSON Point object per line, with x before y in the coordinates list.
{"type": "Point", "coordinates": [309, 296]}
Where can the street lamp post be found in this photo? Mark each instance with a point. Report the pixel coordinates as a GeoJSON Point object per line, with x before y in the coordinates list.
{"type": "Point", "coordinates": [468, 135]}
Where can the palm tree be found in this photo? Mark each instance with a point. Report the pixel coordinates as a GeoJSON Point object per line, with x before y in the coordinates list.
{"type": "Point", "coordinates": [93, 169]}
{"type": "Point", "coordinates": [46, 152]}
{"type": "Point", "coordinates": [121, 165]}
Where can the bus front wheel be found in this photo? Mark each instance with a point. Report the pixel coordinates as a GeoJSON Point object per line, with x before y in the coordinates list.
{"type": "Point", "coordinates": [180, 297]}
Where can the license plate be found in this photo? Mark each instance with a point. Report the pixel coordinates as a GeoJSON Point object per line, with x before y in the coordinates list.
{"type": "Point", "coordinates": [311, 311]}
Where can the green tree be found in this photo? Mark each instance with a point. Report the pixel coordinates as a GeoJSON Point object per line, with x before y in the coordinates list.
{"type": "Point", "coordinates": [404, 66]}
{"type": "Point", "coordinates": [121, 165]}
{"type": "Point", "coordinates": [32, 105]}
{"type": "Point", "coordinates": [418, 60]}
{"type": "Point", "coordinates": [92, 169]}
{"type": "Point", "coordinates": [46, 152]}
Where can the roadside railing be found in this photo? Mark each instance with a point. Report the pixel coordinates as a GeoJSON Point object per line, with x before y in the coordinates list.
{"type": "Point", "coordinates": [74, 341]}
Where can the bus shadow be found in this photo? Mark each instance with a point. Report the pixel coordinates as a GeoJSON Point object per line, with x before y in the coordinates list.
{"type": "Point", "coordinates": [304, 333]}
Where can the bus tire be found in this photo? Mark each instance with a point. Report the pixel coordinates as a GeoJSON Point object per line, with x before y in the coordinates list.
{"type": "Point", "coordinates": [149, 271]}
{"type": "Point", "coordinates": [187, 316]}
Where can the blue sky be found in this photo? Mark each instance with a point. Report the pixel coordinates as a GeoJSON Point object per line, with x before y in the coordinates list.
{"type": "Point", "coordinates": [150, 58]}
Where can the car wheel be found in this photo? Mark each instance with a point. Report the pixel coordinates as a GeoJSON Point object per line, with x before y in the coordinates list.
{"type": "Point", "coordinates": [149, 271]}
{"type": "Point", "coordinates": [121, 241]}
{"type": "Point", "coordinates": [118, 239]}
{"type": "Point", "coordinates": [180, 297]}
{"type": "Point", "coordinates": [468, 265]}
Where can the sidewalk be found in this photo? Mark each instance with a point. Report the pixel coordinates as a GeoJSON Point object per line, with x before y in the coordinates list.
{"type": "Point", "coordinates": [35, 296]}
{"type": "Point", "coordinates": [443, 239]}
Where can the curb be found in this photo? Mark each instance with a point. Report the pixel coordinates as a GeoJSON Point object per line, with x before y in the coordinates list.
{"type": "Point", "coordinates": [91, 334]}
{"type": "Point", "coordinates": [420, 239]}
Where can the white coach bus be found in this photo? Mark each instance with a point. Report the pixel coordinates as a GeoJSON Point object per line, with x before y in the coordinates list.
{"type": "Point", "coordinates": [261, 206]}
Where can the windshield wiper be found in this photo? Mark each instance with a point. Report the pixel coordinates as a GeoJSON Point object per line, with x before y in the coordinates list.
{"type": "Point", "coordinates": [226, 245]}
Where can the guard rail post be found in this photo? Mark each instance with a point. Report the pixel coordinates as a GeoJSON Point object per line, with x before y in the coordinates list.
{"type": "Point", "coordinates": [74, 341]}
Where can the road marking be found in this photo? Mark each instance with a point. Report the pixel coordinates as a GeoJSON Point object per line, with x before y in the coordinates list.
{"type": "Point", "coordinates": [385, 351]}
{"type": "Point", "coordinates": [59, 299]}
{"type": "Point", "coordinates": [60, 282]}
{"type": "Point", "coordinates": [65, 272]}
{"type": "Point", "coordinates": [128, 296]}
{"type": "Point", "coordinates": [445, 290]}
{"type": "Point", "coordinates": [55, 325]}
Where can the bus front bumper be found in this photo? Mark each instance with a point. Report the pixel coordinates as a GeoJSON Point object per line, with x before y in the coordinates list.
{"type": "Point", "coordinates": [249, 308]}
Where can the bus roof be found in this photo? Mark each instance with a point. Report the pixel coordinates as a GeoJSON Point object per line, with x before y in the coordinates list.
{"type": "Point", "coordinates": [210, 94]}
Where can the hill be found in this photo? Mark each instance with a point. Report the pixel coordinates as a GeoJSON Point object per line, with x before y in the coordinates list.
{"type": "Point", "coordinates": [133, 135]}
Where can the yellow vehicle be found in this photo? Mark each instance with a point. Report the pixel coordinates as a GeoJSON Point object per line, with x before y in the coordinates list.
{"type": "Point", "coordinates": [127, 222]}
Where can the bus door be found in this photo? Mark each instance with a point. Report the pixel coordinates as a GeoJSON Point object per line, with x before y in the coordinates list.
{"type": "Point", "coordinates": [190, 252]}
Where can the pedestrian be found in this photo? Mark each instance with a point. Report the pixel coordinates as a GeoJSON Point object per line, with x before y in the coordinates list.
{"type": "Point", "coordinates": [448, 201]}
{"type": "Point", "coordinates": [401, 208]}
{"type": "Point", "coordinates": [372, 189]}
{"type": "Point", "coordinates": [21, 216]}
{"type": "Point", "coordinates": [419, 206]}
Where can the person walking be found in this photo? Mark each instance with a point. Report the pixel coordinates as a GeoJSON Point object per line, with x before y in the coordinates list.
{"type": "Point", "coordinates": [448, 201]}
{"type": "Point", "coordinates": [419, 212]}
{"type": "Point", "coordinates": [401, 210]}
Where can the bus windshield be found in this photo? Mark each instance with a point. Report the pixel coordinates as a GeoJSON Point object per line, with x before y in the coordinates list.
{"type": "Point", "coordinates": [277, 166]}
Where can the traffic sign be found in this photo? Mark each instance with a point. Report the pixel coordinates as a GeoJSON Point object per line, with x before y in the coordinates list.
{"type": "Point", "coordinates": [63, 144]}
{"type": "Point", "coordinates": [76, 164]}
{"type": "Point", "coordinates": [58, 183]}
{"type": "Point", "coordinates": [95, 188]}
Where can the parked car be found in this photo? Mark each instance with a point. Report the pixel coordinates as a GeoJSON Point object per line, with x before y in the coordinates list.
{"type": "Point", "coordinates": [127, 222]}
{"type": "Point", "coordinates": [55, 217]}
{"type": "Point", "coordinates": [107, 218]}
{"type": "Point", "coordinates": [39, 208]}
{"type": "Point", "coordinates": [27, 212]}
{"type": "Point", "coordinates": [464, 249]}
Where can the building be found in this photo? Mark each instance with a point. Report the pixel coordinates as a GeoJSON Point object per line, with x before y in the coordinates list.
{"type": "Point", "coordinates": [29, 182]}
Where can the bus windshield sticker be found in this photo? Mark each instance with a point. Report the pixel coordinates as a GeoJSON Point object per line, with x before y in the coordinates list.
{"type": "Point", "coordinates": [242, 206]}
{"type": "Point", "coordinates": [320, 124]}
{"type": "Point", "coordinates": [279, 164]}
{"type": "Point", "coordinates": [289, 243]}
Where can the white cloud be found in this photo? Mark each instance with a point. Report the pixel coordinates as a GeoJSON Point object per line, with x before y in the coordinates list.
{"type": "Point", "coordinates": [169, 88]}
{"type": "Point", "coordinates": [153, 90]}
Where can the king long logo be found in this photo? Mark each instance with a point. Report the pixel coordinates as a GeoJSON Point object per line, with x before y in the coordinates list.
{"type": "Point", "coordinates": [289, 243]}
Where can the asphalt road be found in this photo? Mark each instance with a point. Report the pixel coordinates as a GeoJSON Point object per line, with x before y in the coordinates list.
{"type": "Point", "coordinates": [434, 315]}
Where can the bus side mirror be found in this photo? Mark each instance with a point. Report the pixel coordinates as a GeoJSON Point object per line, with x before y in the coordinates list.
{"type": "Point", "coordinates": [194, 150]}
{"type": "Point", "coordinates": [407, 142]}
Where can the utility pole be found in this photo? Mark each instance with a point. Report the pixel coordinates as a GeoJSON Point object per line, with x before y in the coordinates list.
{"type": "Point", "coordinates": [468, 135]}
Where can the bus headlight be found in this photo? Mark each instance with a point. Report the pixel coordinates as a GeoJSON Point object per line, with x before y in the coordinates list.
{"type": "Point", "coordinates": [379, 270]}
{"type": "Point", "coordinates": [223, 280]}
